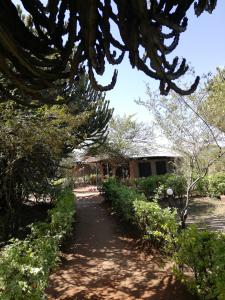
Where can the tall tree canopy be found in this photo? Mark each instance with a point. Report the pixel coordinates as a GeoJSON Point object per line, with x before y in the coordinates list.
{"type": "Point", "coordinates": [126, 137]}
{"type": "Point", "coordinates": [33, 142]}
{"type": "Point", "coordinates": [57, 39]}
{"type": "Point", "coordinates": [215, 102]}
{"type": "Point", "coordinates": [183, 120]}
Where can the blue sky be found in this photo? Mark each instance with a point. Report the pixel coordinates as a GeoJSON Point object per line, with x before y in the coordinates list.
{"type": "Point", "coordinates": [203, 45]}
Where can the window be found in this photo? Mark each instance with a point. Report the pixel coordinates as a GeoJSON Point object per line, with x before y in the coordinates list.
{"type": "Point", "coordinates": [107, 169]}
{"type": "Point", "coordinates": [161, 167]}
{"type": "Point", "coordinates": [145, 169]}
{"type": "Point", "coordinates": [122, 171]}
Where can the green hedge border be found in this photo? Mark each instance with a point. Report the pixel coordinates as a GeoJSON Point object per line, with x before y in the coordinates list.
{"type": "Point", "coordinates": [25, 265]}
{"type": "Point", "coordinates": [200, 253]}
{"type": "Point", "coordinates": [156, 224]}
{"type": "Point", "coordinates": [211, 185]}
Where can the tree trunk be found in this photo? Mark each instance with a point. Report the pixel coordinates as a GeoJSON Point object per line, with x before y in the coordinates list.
{"type": "Point", "coordinates": [184, 212]}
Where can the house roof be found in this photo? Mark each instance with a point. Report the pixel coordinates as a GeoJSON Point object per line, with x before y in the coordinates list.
{"type": "Point", "coordinates": [92, 159]}
{"type": "Point", "coordinates": [152, 154]}
{"type": "Point", "coordinates": [82, 158]}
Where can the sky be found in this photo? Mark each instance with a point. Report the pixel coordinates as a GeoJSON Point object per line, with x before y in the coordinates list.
{"type": "Point", "coordinates": [203, 45]}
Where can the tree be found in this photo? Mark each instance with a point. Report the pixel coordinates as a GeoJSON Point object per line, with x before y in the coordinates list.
{"type": "Point", "coordinates": [180, 119]}
{"type": "Point", "coordinates": [29, 151]}
{"type": "Point", "coordinates": [33, 142]}
{"type": "Point", "coordinates": [126, 134]}
{"type": "Point", "coordinates": [126, 137]}
{"type": "Point", "coordinates": [82, 100]}
{"type": "Point", "coordinates": [55, 41]}
{"type": "Point", "coordinates": [214, 107]}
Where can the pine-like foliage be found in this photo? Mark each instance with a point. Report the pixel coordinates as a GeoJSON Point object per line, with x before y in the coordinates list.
{"type": "Point", "coordinates": [39, 42]}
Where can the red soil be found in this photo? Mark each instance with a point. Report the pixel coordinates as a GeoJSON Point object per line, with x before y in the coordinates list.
{"type": "Point", "coordinates": [102, 262]}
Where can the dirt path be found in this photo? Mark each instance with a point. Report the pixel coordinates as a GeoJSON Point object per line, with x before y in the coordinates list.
{"type": "Point", "coordinates": [102, 262]}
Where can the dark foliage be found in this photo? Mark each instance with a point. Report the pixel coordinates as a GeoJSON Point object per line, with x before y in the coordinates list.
{"type": "Point", "coordinates": [34, 140]}
{"type": "Point", "coordinates": [57, 40]}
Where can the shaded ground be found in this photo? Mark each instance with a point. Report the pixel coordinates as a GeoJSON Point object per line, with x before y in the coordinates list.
{"type": "Point", "coordinates": [103, 262]}
{"type": "Point", "coordinates": [30, 212]}
{"type": "Point", "coordinates": [207, 212]}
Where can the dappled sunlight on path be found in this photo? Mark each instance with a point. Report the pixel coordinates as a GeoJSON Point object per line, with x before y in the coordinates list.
{"type": "Point", "coordinates": [102, 262]}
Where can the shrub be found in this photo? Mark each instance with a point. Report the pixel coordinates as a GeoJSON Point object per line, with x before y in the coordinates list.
{"type": "Point", "coordinates": [199, 255]}
{"type": "Point", "coordinates": [177, 183]}
{"type": "Point", "coordinates": [25, 265]}
{"type": "Point", "coordinates": [217, 184]}
{"type": "Point", "coordinates": [202, 187]}
{"type": "Point", "coordinates": [202, 253]}
{"type": "Point", "coordinates": [157, 225]}
{"type": "Point", "coordinates": [62, 215]}
{"type": "Point", "coordinates": [109, 187]}
{"type": "Point", "coordinates": [211, 185]}
{"type": "Point", "coordinates": [121, 198]}
{"type": "Point", "coordinates": [150, 184]}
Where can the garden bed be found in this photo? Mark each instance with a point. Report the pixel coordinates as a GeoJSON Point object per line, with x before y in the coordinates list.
{"type": "Point", "coordinates": [25, 265]}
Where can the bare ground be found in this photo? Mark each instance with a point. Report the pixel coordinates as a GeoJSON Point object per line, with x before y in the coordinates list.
{"type": "Point", "coordinates": [102, 261]}
{"type": "Point", "coordinates": [207, 213]}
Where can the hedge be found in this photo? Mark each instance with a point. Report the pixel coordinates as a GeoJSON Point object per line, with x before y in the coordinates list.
{"type": "Point", "coordinates": [157, 225]}
{"type": "Point", "coordinates": [216, 184]}
{"type": "Point", "coordinates": [198, 253]}
{"type": "Point", "coordinates": [149, 185]}
{"type": "Point", "coordinates": [25, 265]}
{"type": "Point", "coordinates": [203, 253]}
{"type": "Point", "coordinates": [211, 185]}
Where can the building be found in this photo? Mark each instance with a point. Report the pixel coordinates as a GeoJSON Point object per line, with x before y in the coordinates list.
{"type": "Point", "coordinates": [132, 166]}
{"type": "Point", "coordinates": [153, 163]}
